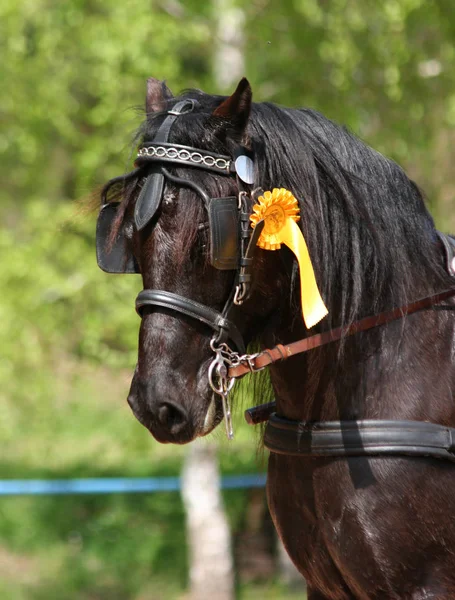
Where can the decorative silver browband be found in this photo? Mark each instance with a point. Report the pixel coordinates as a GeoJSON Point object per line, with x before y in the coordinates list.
{"type": "Point", "coordinates": [177, 154]}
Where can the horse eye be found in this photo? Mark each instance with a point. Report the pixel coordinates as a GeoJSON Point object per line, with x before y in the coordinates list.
{"type": "Point", "coordinates": [169, 198]}
{"type": "Point", "coordinates": [128, 230]}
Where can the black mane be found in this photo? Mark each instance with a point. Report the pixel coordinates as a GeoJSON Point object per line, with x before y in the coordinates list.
{"type": "Point", "coordinates": [364, 220]}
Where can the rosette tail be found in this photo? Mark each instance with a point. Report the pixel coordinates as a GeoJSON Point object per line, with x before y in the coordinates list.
{"type": "Point", "coordinates": [313, 307]}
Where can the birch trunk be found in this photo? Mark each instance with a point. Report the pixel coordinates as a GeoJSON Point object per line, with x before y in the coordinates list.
{"type": "Point", "coordinates": [229, 60]}
{"type": "Point", "coordinates": [209, 538]}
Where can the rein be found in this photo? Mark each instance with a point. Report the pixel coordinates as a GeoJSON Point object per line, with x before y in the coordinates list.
{"type": "Point", "coordinates": [279, 352]}
{"type": "Point", "coordinates": [238, 366]}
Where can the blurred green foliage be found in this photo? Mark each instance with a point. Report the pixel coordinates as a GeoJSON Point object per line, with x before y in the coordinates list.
{"type": "Point", "coordinates": [384, 69]}
{"type": "Point", "coordinates": [73, 76]}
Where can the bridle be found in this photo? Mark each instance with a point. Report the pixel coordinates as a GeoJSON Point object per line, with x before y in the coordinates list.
{"type": "Point", "coordinates": [232, 244]}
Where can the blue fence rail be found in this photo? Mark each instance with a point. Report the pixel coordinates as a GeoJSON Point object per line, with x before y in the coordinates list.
{"type": "Point", "coordinates": [115, 485]}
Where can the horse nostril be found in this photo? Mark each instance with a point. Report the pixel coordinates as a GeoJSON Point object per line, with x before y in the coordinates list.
{"type": "Point", "coordinates": [172, 416]}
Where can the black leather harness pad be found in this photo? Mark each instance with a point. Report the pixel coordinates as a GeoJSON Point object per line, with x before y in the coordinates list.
{"type": "Point", "coordinates": [372, 437]}
{"type": "Point", "coordinates": [224, 231]}
{"type": "Point", "coordinates": [116, 259]}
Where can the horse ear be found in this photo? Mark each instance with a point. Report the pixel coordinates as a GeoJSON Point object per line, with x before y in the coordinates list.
{"type": "Point", "coordinates": [157, 95]}
{"type": "Point", "coordinates": [236, 108]}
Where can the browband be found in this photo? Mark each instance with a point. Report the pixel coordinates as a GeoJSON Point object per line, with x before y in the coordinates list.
{"type": "Point", "coordinates": [159, 152]}
{"type": "Point", "coordinates": [185, 155]}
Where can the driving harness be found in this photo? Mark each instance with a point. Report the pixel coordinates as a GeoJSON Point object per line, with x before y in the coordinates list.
{"type": "Point", "coordinates": [232, 244]}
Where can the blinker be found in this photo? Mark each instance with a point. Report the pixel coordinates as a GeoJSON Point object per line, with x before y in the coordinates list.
{"type": "Point", "coordinates": [224, 227]}
{"type": "Point", "coordinates": [118, 258]}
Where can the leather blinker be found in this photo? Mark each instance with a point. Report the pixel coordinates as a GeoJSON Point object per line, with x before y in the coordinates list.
{"type": "Point", "coordinates": [224, 231]}
{"type": "Point", "coordinates": [115, 258]}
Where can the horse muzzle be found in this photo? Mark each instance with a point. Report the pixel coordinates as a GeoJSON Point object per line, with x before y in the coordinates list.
{"type": "Point", "coordinates": [168, 419]}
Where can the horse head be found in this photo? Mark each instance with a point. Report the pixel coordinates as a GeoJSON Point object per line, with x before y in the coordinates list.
{"type": "Point", "coordinates": [179, 225]}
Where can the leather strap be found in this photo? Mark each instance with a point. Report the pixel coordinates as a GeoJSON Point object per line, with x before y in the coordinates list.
{"type": "Point", "coordinates": [448, 244]}
{"type": "Point", "coordinates": [282, 352]}
{"type": "Point", "coordinates": [188, 183]}
{"type": "Point", "coordinates": [359, 438]}
{"type": "Point", "coordinates": [214, 319]}
{"type": "Point", "coordinates": [181, 108]}
{"type": "Point", "coordinates": [149, 197]}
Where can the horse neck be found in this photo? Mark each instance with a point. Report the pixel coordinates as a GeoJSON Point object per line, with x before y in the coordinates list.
{"type": "Point", "coordinates": [402, 370]}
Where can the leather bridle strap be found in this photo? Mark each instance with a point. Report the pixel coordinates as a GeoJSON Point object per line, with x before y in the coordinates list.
{"type": "Point", "coordinates": [282, 352]}
{"type": "Point", "coordinates": [224, 327]}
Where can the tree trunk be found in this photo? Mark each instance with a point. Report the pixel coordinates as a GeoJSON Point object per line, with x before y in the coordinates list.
{"type": "Point", "coordinates": [229, 60]}
{"type": "Point", "coordinates": [209, 538]}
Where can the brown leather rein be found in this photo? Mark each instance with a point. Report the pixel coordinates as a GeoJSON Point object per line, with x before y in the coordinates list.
{"type": "Point", "coordinates": [281, 352]}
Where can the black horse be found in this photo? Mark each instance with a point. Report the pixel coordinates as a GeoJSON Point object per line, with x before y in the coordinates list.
{"type": "Point", "coordinates": [363, 526]}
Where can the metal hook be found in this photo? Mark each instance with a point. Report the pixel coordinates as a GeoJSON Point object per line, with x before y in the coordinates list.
{"type": "Point", "coordinates": [220, 382]}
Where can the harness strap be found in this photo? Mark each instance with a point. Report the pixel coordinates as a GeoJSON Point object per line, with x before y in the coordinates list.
{"type": "Point", "coordinates": [281, 352]}
{"type": "Point", "coordinates": [359, 438]}
{"type": "Point", "coordinates": [214, 319]}
{"type": "Point", "coordinates": [246, 265]}
{"type": "Point", "coordinates": [188, 183]}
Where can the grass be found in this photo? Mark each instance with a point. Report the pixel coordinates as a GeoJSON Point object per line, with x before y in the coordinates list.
{"type": "Point", "coordinates": [72, 421]}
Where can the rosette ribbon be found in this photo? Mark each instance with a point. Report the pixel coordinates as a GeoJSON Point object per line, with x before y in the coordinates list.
{"type": "Point", "coordinates": [279, 210]}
